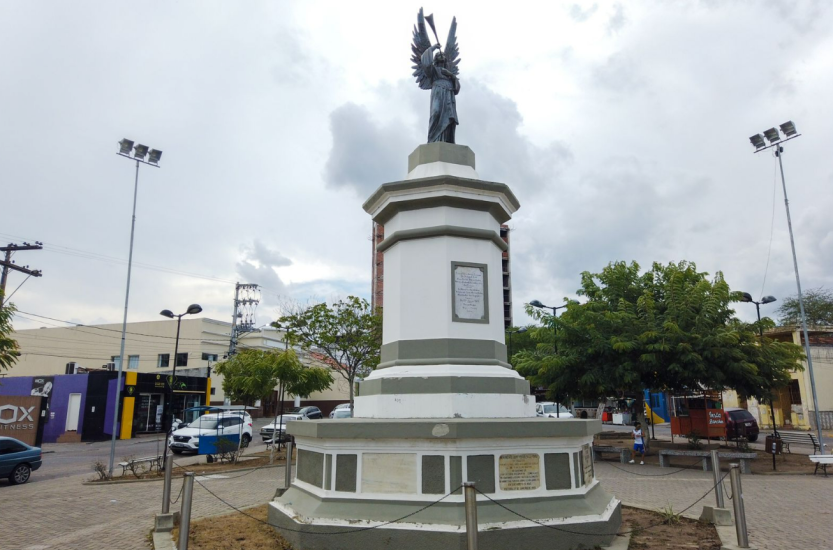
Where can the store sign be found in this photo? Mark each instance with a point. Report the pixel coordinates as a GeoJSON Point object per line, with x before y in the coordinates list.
{"type": "Point", "coordinates": [19, 417]}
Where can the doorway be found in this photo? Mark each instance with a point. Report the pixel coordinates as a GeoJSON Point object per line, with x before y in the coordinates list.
{"type": "Point", "coordinates": [73, 412]}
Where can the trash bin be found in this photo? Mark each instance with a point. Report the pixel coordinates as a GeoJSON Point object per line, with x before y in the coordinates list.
{"type": "Point", "coordinates": [773, 445]}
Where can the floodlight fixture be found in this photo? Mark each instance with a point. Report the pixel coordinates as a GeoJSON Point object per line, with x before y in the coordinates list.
{"type": "Point", "coordinates": [193, 309]}
{"type": "Point", "coordinates": [789, 128]}
{"type": "Point", "coordinates": [747, 297]}
{"type": "Point", "coordinates": [167, 313]}
{"type": "Point", "coordinates": [758, 141]}
{"type": "Point", "coordinates": [140, 151]}
{"type": "Point", "coordinates": [536, 303]}
{"type": "Point", "coordinates": [155, 155]}
{"type": "Point", "coordinates": [768, 299]}
{"type": "Point", "coordinates": [772, 135]}
{"type": "Point", "coordinates": [125, 146]}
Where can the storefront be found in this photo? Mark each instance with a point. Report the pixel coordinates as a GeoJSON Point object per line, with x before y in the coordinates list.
{"type": "Point", "coordinates": [147, 396]}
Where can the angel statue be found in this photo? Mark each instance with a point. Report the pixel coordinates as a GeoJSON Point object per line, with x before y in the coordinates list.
{"type": "Point", "coordinates": [439, 74]}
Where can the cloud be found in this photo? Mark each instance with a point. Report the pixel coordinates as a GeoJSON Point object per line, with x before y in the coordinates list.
{"type": "Point", "coordinates": [617, 20]}
{"type": "Point", "coordinates": [618, 74]}
{"type": "Point", "coordinates": [258, 267]}
{"type": "Point", "coordinates": [580, 16]}
{"type": "Point", "coordinates": [366, 153]}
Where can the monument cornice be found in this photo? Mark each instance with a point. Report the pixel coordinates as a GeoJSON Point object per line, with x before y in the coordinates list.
{"type": "Point", "coordinates": [442, 231]}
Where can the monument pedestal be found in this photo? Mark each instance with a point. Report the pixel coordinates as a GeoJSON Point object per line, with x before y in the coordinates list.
{"type": "Point", "coordinates": [444, 406]}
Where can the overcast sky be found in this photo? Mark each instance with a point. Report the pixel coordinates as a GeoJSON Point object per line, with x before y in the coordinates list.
{"type": "Point", "coordinates": [621, 127]}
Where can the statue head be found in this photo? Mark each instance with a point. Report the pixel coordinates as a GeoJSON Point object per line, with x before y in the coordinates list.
{"type": "Point", "coordinates": [439, 60]}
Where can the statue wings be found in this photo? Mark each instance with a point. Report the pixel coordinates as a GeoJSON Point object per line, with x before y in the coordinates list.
{"type": "Point", "coordinates": [422, 42]}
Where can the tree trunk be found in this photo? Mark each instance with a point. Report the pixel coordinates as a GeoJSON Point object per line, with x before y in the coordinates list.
{"type": "Point", "coordinates": [350, 381]}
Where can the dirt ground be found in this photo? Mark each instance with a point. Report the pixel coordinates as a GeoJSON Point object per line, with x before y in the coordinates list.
{"type": "Point", "coordinates": [684, 533]}
{"type": "Point", "coordinates": [785, 463]}
{"type": "Point", "coordinates": [238, 532]}
{"type": "Point", "coordinates": [234, 532]}
{"type": "Point", "coordinates": [254, 460]}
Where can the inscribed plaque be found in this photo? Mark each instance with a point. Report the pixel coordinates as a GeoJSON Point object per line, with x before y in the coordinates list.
{"type": "Point", "coordinates": [389, 473]}
{"type": "Point", "coordinates": [520, 472]}
{"type": "Point", "coordinates": [587, 463]}
{"type": "Point", "coordinates": [470, 298]}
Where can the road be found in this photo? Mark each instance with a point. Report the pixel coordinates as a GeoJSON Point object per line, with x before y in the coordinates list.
{"type": "Point", "coordinates": [72, 459]}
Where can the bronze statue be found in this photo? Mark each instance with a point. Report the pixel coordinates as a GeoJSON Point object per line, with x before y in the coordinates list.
{"type": "Point", "coordinates": [439, 74]}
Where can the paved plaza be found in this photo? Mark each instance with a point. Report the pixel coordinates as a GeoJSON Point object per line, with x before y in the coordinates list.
{"type": "Point", "coordinates": [783, 511]}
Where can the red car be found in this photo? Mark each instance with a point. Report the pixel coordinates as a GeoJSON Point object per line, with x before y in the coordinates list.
{"type": "Point", "coordinates": [740, 423]}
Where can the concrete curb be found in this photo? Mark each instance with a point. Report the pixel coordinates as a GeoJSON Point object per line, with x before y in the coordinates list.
{"type": "Point", "coordinates": [220, 472]}
{"type": "Point", "coordinates": [727, 534]}
{"type": "Point", "coordinates": [163, 541]}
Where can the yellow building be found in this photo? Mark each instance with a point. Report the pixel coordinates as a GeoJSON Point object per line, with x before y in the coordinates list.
{"type": "Point", "coordinates": [793, 406]}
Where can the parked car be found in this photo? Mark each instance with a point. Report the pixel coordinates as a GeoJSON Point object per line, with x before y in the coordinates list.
{"type": "Point", "coordinates": [310, 413]}
{"type": "Point", "coordinates": [740, 423]}
{"type": "Point", "coordinates": [551, 410]}
{"type": "Point", "coordinates": [18, 460]}
{"type": "Point", "coordinates": [278, 427]}
{"type": "Point", "coordinates": [339, 407]}
{"type": "Point", "coordinates": [187, 439]}
{"type": "Point", "coordinates": [341, 413]}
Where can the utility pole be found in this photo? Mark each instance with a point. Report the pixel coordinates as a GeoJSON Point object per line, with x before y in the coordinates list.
{"type": "Point", "coordinates": [246, 299]}
{"type": "Point", "coordinates": [9, 265]}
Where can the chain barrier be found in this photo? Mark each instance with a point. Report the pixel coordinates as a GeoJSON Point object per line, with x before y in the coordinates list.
{"type": "Point", "coordinates": [618, 533]}
{"type": "Point", "coordinates": [355, 530]}
{"type": "Point", "coordinates": [179, 495]}
{"type": "Point", "coordinates": [654, 475]}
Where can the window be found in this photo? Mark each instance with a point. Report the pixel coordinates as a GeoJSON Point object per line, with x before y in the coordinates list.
{"type": "Point", "coordinates": [116, 360]}
{"type": "Point", "coordinates": [795, 393]}
{"type": "Point", "coordinates": [213, 391]}
{"type": "Point", "coordinates": [163, 360]}
{"type": "Point", "coordinates": [181, 359]}
{"type": "Point", "coordinates": [209, 356]}
{"type": "Point", "coordinates": [133, 362]}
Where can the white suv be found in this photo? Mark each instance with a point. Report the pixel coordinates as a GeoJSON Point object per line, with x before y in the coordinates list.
{"type": "Point", "coordinates": [187, 438]}
{"type": "Point", "coordinates": [549, 409]}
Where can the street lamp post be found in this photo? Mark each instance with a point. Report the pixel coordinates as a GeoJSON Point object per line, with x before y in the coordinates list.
{"type": "Point", "coordinates": [193, 309]}
{"type": "Point", "coordinates": [510, 333]}
{"type": "Point", "coordinates": [539, 305]}
{"type": "Point", "coordinates": [774, 138]}
{"type": "Point", "coordinates": [139, 153]}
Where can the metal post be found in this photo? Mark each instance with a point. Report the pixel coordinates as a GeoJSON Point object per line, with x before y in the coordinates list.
{"type": "Point", "coordinates": [778, 151]}
{"type": "Point", "coordinates": [737, 503]}
{"type": "Point", "coordinates": [185, 513]}
{"type": "Point", "coordinates": [718, 485]}
{"type": "Point", "coordinates": [471, 514]}
{"type": "Point", "coordinates": [287, 479]}
{"type": "Point", "coordinates": [166, 490]}
{"type": "Point", "coordinates": [124, 328]}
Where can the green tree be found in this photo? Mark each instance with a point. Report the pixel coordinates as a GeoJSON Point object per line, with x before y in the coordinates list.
{"type": "Point", "coordinates": [348, 334]}
{"type": "Point", "coordinates": [521, 339]}
{"type": "Point", "coordinates": [8, 345]}
{"type": "Point", "coordinates": [252, 374]}
{"type": "Point", "coordinates": [818, 308]}
{"type": "Point", "coordinates": [671, 328]}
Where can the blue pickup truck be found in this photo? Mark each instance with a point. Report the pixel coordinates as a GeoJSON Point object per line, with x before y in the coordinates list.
{"type": "Point", "coordinates": [18, 460]}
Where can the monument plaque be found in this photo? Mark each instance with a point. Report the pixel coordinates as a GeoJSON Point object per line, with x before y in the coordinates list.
{"type": "Point", "coordinates": [470, 299]}
{"type": "Point", "coordinates": [519, 472]}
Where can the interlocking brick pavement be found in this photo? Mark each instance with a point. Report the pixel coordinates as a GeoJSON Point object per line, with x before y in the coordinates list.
{"type": "Point", "coordinates": [63, 513]}
{"type": "Point", "coordinates": [782, 511]}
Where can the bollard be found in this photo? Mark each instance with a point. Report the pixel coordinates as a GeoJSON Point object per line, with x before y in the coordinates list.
{"type": "Point", "coordinates": [287, 480]}
{"type": "Point", "coordinates": [471, 514]}
{"type": "Point", "coordinates": [737, 502]}
{"type": "Point", "coordinates": [166, 490]}
{"type": "Point", "coordinates": [185, 514]}
{"type": "Point", "coordinates": [718, 486]}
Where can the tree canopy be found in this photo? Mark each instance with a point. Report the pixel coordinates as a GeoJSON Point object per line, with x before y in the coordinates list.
{"type": "Point", "coordinates": [348, 334]}
{"type": "Point", "coordinates": [252, 374]}
{"type": "Point", "coordinates": [818, 308]}
{"type": "Point", "coordinates": [670, 328]}
{"type": "Point", "coordinates": [8, 345]}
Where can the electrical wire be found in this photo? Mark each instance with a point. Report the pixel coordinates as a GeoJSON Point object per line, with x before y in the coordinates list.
{"type": "Point", "coordinates": [772, 223]}
{"type": "Point", "coordinates": [6, 301]}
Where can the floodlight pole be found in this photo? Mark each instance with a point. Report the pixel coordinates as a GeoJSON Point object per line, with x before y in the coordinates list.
{"type": "Point", "coordinates": [124, 327]}
{"type": "Point", "coordinates": [778, 151]}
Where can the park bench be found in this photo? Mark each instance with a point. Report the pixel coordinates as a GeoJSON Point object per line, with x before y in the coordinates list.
{"type": "Point", "coordinates": [151, 461]}
{"type": "Point", "coordinates": [744, 458]}
{"type": "Point", "coordinates": [799, 438]}
{"type": "Point", "coordinates": [624, 454]}
{"type": "Point", "coordinates": [823, 461]}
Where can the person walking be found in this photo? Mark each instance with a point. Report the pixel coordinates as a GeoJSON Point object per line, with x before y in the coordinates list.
{"type": "Point", "coordinates": [638, 444]}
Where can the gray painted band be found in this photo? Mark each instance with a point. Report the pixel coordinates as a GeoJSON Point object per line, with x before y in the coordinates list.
{"type": "Point", "coordinates": [444, 384]}
{"type": "Point", "coordinates": [437, 181]}
{"type": "Point", "coordinates": [442, 231]}
{"type": "Point", "coordinates": [465, 203]}
{"type": "Point", "coordinates": [451, 153]}
{"type": "Point", "coordinates": [442, 361]}
{"type": "Point", "coordinates": [458, 428]}
{"type": "Point", "coordinates": [437, 351]}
